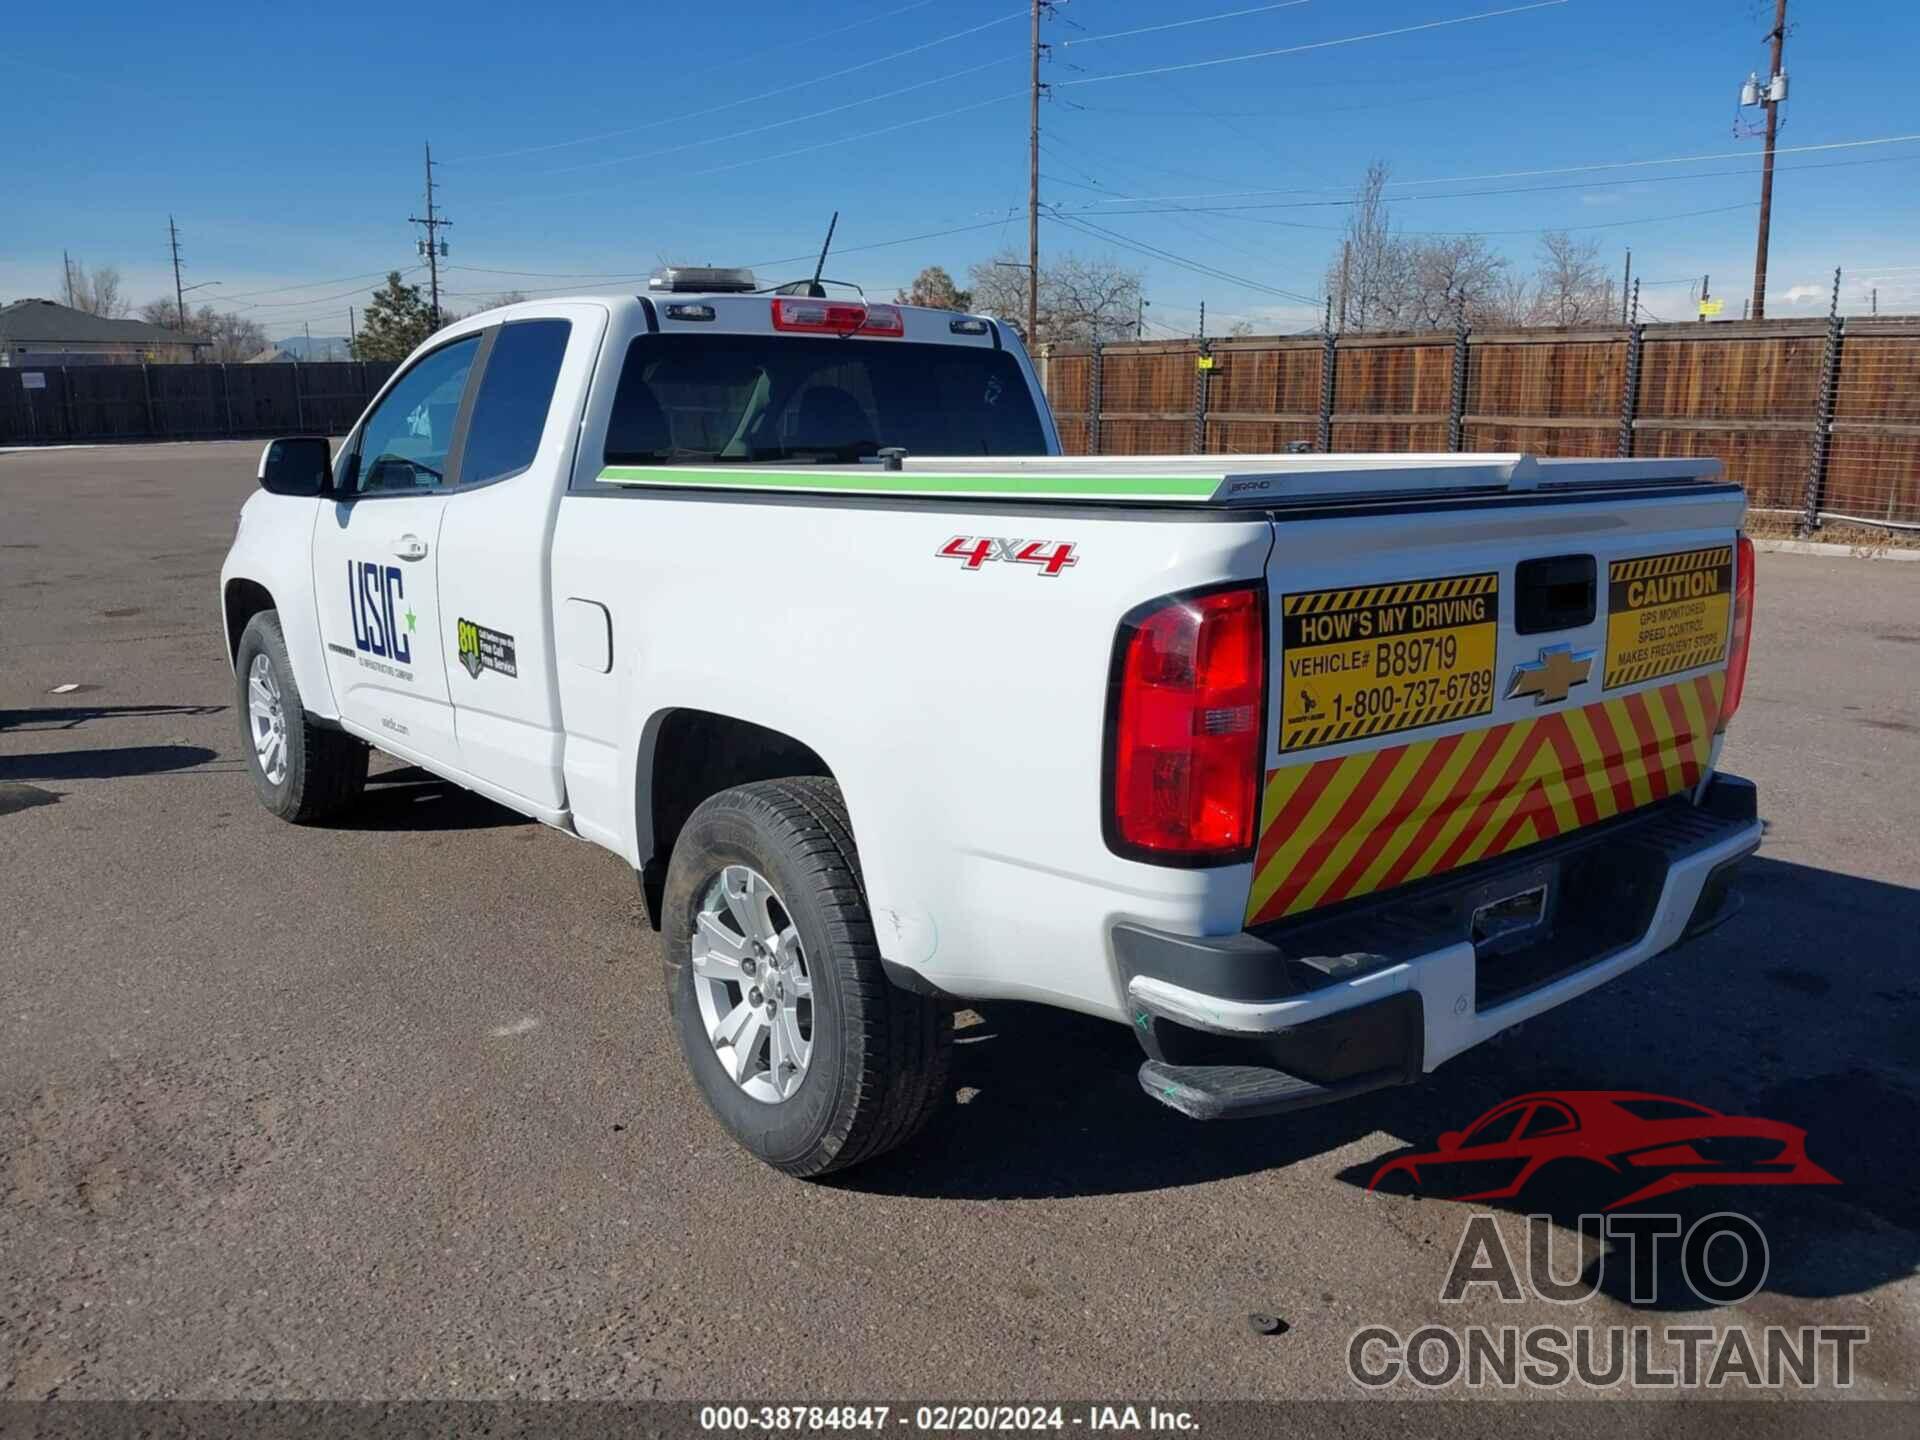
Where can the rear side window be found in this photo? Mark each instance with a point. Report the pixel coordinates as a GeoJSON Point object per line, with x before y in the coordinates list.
{"type": "Point", "coordinates": [515, 394]}
{"type": "Point", "coordinates": [794, 399]}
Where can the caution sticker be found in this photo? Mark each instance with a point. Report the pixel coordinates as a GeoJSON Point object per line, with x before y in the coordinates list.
{"type": "Point", "coordinates": [1667, 613]}
{"type": "Point", "coordinates": [1376, 659]}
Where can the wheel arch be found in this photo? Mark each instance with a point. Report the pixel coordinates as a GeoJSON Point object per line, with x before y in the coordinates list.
{"type": "Point", "coordinates": [687, 755]}
{"type": "Point", "coordinates": [241, 599]}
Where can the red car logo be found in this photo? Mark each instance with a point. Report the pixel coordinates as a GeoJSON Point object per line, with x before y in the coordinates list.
{"type": "Point", "coordinates": [1667, 1143]}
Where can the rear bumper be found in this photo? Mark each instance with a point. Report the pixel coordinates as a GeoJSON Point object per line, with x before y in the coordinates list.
{"type": "Point", "coordinates": [1377, 993]}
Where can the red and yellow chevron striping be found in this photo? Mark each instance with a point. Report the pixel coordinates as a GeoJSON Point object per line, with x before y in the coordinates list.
{"type": "Point", "coordinates": [1335, 829]}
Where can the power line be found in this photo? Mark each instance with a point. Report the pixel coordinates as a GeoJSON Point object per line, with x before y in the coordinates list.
{"type": "Point", "coordinates": [1182, 24]}
{"type": "Point", "coordinates": [1315, 45]}
{"type": "Point", "coordinates": [1565, 169]}
{"type": "Point", "coordinates": [779, 124]}
{"type": "Point", "coordinates": [1184, 262]}
{"type": "Point", "coordinates": [750, 99]}
{"type": "Point", "coordinates": [313, 301]}
{"type": "Point", "coordinates": [306, 285]}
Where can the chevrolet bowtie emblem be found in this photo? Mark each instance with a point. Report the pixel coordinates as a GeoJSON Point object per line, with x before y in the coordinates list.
{"type": "Point", "coordinates": [1558, 670]}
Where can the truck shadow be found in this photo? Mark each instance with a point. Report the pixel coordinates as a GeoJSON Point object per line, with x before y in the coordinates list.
{"type": "Point", "coordinates": [107, 763]}
{"type": "Point", "coordinates": [69, 717]}
{"type": "Point", "coordinates": [409, 798]}
{"type": "Point", "coordinates": [1803, 1008]}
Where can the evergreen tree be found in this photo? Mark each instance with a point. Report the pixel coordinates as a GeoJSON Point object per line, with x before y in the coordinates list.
{"type": "Point", "coordinates": [396, 321]}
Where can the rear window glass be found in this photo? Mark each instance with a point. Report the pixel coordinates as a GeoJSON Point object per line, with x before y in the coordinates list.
{"type": "Point", "coordinates": [747, 398]}
{"type": "Point", "coordinates": [515, 393]}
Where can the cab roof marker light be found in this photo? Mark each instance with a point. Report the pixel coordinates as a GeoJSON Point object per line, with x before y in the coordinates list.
{"type": "Point", "coordinates": [690, 312]}
{"type": "Point", "coordinates": [968, 326]}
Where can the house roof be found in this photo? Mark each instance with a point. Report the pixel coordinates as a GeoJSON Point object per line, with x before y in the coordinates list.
{"type": "Point", "coordinates": [47, 322]}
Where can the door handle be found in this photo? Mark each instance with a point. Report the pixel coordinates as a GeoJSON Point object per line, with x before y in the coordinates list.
{"type": "Point", "coordinates": [410, 547]}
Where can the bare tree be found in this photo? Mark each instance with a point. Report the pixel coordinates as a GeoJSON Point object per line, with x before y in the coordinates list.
{"type": "Point", "coordinates": [1573, 288]}
{"type": "Point", "coordinates": [98, 291]}
{"type": "Point", "coordinates": [934, 287]}
{"type": "Point", "coordinates": [1446, 272]}
{"type": "Point", "coordinates": [1382, 280]}
{"type": "Point", "coordinates": [1240, 329]}
{"type": "Point", "coordinates": [229, 339]}
{"type": "Point", "coordinates": [1082, 299]}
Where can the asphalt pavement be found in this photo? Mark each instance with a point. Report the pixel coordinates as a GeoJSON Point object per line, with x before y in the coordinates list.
{"type": "Point", "coordinates": [391, 1108]}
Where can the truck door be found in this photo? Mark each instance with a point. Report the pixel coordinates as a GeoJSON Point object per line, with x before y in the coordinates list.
{"type": "Point", "coordinates": [376, 562]}
{"type": "Point", "coordinates": [495, 570]}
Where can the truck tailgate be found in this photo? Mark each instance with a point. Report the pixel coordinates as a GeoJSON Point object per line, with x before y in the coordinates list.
{"type": "Point", "coordinates": [1455, 679]}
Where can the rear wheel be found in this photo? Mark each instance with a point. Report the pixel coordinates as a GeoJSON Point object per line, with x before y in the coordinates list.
{"type": "Point", "coordinates": [303, 770]}
{"type": "Point", "coordinates": [808, 1054]}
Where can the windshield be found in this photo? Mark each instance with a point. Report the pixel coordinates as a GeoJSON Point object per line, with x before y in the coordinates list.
{"type": "Point", "coordinates": [746, 398]}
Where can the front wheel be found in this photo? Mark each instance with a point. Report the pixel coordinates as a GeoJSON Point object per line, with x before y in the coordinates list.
{"type": "Point", "coordinates": [807, 1053]}
{"type": "Point", "coordinates": [303, 770]}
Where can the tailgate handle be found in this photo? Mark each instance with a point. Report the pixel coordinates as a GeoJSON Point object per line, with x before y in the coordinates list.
{"type": "Point", "coordinates": [1553, 592]}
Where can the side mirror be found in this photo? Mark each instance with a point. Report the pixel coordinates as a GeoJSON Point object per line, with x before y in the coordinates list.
{"type": "Point", "coordinates": [298, 465]}
{"type": "Point", "coordinates": [1450, 1140]}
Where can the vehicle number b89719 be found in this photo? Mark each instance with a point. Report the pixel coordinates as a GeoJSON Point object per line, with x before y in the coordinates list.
{"type": "Point", "coordinates": [1370, 660]}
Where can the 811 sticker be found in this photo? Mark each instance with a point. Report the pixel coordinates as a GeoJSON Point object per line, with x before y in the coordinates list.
{"type": "Point", "coordinates": [1376, 659]}
{"type": "Point", "coordinates": [973, 551]}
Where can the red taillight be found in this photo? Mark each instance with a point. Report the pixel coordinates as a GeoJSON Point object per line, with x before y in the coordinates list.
{"type": "Point", "coordinates": [838, 317]}
{"type": "Point", "coordinates": [1184, 739]}
{"type": "Point", "coordinates": [1742, 630]}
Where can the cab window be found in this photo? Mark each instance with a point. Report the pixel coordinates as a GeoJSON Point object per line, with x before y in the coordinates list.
{"type": "Point", "coordinates": [516, 391]}
{"type": "Point", "coordinates": [404, 443]}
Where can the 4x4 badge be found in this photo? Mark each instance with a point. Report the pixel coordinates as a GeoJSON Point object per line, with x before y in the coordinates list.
{"type": "Point", "coordinates": [1558, 670]}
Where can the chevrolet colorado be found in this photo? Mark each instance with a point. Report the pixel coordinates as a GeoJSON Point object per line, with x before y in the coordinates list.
{"type": "Point", "coordinates": [1313, 770]}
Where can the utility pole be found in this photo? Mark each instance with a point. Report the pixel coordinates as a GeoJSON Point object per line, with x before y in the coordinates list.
{"type": "Point", "coordinates": [1140, 316]}
{"type": "Point", "coordinates": [66, 271]}
{"type": "Point", "coordinates": [353, 335]}
{"type": "Point", "coordinates": [1346, 259]}
{"type": "Point", "coordinates": [1203, 319]}
{"type": "Point", "coordinates": [434, 248]}
{"type": "Point", "coordinates": [1706, 293]}
{"type": "Point", "coordinates": [1626, 284]}
{"type": "Point", "coordinates": [179, 295]}
{"type": "Point", "coordinates": [1774, 92]}
{"type": "Point", "coordinates": [1033, 187]}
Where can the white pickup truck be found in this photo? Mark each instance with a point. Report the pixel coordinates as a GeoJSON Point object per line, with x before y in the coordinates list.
{"type": "Point", "coordinates": [1313, 770]}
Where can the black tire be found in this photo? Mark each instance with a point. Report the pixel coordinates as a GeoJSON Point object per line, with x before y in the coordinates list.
{"type": "Point", "coordinates": [326, 768]}
{"type": "Point", "coordinates": [879, 1053]}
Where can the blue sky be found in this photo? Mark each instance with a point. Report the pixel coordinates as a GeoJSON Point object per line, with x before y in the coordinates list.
{"type": "Point", "coordinates": [586, 141]}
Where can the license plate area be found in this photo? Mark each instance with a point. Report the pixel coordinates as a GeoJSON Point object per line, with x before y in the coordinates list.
{"type": "Point", "coordinates": [1512, 912]}
{"type": "Point", "coordinates": [1511, 915]}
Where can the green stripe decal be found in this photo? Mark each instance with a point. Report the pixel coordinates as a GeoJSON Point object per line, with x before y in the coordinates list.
{"type": "Point", "coordinates": [905, 482]}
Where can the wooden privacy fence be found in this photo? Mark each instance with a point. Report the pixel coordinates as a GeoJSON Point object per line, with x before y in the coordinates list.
{"type": "Point", "coordinates": [1819, 418]}
{"type": "Point", "coordinates": [79, 403]}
